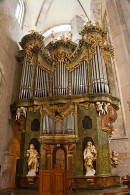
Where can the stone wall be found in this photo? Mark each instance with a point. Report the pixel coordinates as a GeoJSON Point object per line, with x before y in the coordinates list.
{"type": "Point", "coordinates": [118, 14]}
{"type": "Point", "coordinates": [10, 34]}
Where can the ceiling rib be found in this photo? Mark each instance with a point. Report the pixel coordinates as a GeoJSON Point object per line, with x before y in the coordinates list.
{"type": "Point", "coordinates": [83, 9]}
{"type": "Point", "coordinates": [42, 14]}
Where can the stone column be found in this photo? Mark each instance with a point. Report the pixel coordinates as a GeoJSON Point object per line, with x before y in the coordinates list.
{"type": "Point", "coordinates": [118, 15]}
{"type": "Point", "coordinates": [122, 56]}
{"type": "Point", "coordinates": [10, 35]}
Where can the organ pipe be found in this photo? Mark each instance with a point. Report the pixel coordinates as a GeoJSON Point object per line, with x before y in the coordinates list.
{"type": "Point", "coordinates": [60, 80]}
{"type": "Point", "coordinates": [80, 79]}
{"type": "Point", "coordinates": [99, 75]}
{"type": "Point", "coordinates": [41, 83]}
{"type": "Point", "coordinates": [26, 80]}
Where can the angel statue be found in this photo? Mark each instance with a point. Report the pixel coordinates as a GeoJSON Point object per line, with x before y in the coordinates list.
{"type": "Point", "coordinates": [90, 155]}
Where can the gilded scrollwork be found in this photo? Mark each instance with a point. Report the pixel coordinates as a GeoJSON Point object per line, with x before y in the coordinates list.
{"type": "Point", "coordinates": [85, 105]}
{"type": "Point", "coordinates": [58, 137]}
{"type": "Point", "coordinates": [82, 57]}
{"type": "Point", "coordinates": [58, 112]}
{"type": "Point", "coordinates": [35, 108]}
{"type": "Point", "coordinates": [60, 56]}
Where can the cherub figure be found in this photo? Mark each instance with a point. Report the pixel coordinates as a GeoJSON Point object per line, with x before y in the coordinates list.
{"type": "Point", "coordinates": [21, 111]}
{"type": "Point", "coordinates": [114, 159]}
{"type": "Point", "coordinates": [24, 111]}
{"type": "Point", "coordinates": [17, 113]}
{"type": "Point", "coordinates": [99, 107]}
{"type": "Point", "coordinates": [106, 108]}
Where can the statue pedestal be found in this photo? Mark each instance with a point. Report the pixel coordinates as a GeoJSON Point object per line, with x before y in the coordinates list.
{"type": "Point", "coordinates": [95, 182]}
{"type": "Point", "coordinates": [27, 181]}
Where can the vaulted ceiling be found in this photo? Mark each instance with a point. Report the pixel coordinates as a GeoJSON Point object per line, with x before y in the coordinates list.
{"type": "Point", "coordinates": [45, 14]}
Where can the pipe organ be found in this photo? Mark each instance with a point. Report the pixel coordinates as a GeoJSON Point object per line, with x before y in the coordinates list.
{"type": "Point", "coordinates": [60, 83]}
{"type": "Point", "coordinates": [65, 87]}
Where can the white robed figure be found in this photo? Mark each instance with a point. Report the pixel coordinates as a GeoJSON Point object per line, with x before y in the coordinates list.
{"type": "Point", "coordinates": [90, 155]}
{"type": "Point", "coordinates": [33, 163]}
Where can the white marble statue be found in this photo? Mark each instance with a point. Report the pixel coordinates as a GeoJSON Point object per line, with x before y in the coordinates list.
{"type": "Point", "coordinates": [90, 155]}
{"type": "Point", "coordinates": [33, 163]}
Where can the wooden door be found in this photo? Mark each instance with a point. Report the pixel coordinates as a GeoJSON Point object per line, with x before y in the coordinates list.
{"type": "Point", "coordinates": [45, 183]}
{"type": "Point", "coordinates": [53, 182]}
{"type": "Point", "coordinates": [60, 158]}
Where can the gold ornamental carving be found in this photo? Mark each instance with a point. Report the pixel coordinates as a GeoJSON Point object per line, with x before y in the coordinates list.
{"type": "Point", "coordinates": [79, 59]}
{"type": "Point", "coordinates": [30, 51]}
{"type": "Point", "coordinates": [35, 108]}
{"type": "Point", "coordinates": [59, 111]}
{"type": "Point", "coordinates": [57, 137]}
{"type": "Point", "coordinates": [47, 147]}
{"type": "Point", "coordinates": [60, 56]}
{"type": "Point", "coordinates": [85, 105]}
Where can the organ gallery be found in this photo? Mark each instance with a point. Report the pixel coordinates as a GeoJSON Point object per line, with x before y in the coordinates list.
{"type": "Point", "coordinates": [65, 105]}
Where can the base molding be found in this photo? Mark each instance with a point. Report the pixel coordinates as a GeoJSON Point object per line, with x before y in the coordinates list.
{"type": "Point", "coordinates": [27, 181]}
{"type": "Point", "coordinates": [95, 182]}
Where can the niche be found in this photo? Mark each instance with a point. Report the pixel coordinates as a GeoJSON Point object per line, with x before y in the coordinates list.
{"type": "Point", "coordinates": [87, 123]}
{"type": "Point", "coordinates": [35, 125]}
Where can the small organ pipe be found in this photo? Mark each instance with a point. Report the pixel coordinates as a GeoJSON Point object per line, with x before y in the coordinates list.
{"type": "Point", "coordinates": [94, 71]}
{"type": "Point", "coordinates": [101, 69]}
{"type": "Point", "coordinates": [98, 73]}
{"type": "Point", "coordinates": [74, 81]}
{"type": "Point", "coordinates": [63, 79]}
{"type": "Point", "coordinates": [79, 78]}
{"type": "Point", "coordinates": [44, 83]}
{"type": "Point", "coordinates": [47, 82]}
{"type": "Point", "coordinates": [85, 77]}
{"type": "Point", "coordinates": [36, 82]}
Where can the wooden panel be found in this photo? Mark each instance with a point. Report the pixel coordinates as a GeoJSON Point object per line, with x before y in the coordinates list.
{"type": "Point", "coordinates": [46, 183]}
{"type": "Point", "coordinates": [59, 188]}
{"type": "Point", "coordinates": [54, 181]}
{"type": "Point", "coordinates": [60, 158]}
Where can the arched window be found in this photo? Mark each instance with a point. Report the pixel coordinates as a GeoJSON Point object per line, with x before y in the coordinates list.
{"type": "Point", "coordinates": [19, 14]}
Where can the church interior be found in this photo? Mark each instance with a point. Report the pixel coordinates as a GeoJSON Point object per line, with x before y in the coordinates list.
{"type": "Point", "coordinates": [65, 97]}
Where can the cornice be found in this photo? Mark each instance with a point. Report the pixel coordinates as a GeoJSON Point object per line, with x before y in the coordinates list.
{"type": "Point", "coordinates": [34, 36]}
{"type": "Point", "coordinates": [76, 99]}
{"type": "Point", "coordinates": [61, 43]}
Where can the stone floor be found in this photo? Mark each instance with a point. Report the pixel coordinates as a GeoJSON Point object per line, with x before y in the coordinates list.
{"type": "Point", "coordinates": [112, 191]}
